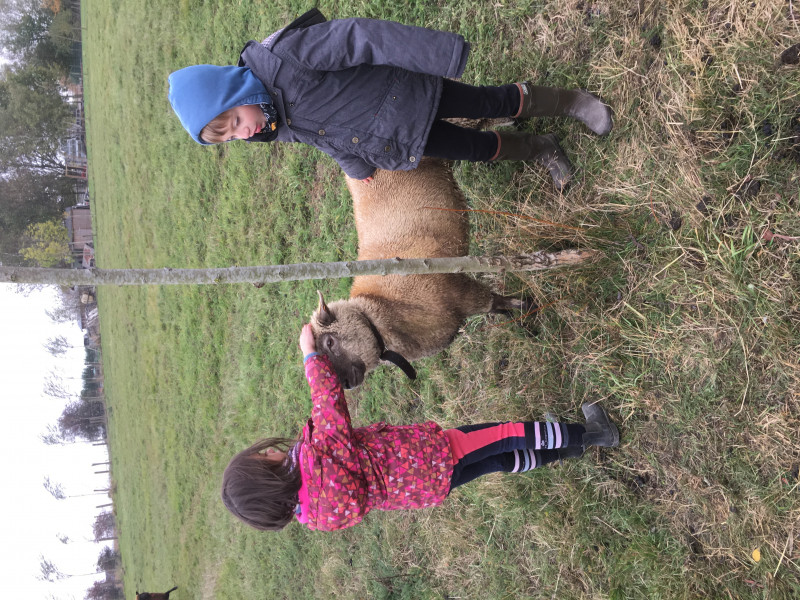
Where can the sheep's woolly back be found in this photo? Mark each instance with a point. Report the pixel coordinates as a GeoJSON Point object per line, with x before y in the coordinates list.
{"type": "Point", "coordinates": [399, 214]}
{"type": "Point", "coordinates": [405, 214]}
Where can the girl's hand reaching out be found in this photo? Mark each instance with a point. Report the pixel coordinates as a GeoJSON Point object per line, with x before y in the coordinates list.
{"type": "Point", "coordinates": [307, 343]}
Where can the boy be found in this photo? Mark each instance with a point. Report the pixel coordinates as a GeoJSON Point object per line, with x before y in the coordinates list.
{"type": "Point", "coordinates": [371, 94]}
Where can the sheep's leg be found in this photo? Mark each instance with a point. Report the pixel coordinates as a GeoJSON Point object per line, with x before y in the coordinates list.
{"type": "Point", "coordinates": [507, 304]}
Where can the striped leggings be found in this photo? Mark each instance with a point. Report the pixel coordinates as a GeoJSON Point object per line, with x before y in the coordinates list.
{"type": "Point", "coordinates": [508, 447]}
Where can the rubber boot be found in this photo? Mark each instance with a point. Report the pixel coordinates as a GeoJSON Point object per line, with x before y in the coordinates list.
{"type": "Point", "coordinates": [569, 452]}
{"type": "Point", "coordinates": [600, 431]}
{"type": "Point", "coordinates": [539, 101]}
{"type": "Point", "coordinates": [544, 149]}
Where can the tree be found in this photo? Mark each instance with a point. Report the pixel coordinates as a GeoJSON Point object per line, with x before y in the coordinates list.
{"type": "Point", "coordinates": [61, 35]}
{"type": "Point", "coordinates": [53, 386]}
{"type": "Point", "coordinates": [49, 244]}
{"type": "Point", "coordinates": [62, 313]}
{"type": "Point", "coordinates": [57, 346]}
{"type": "Point", "coordinates": [83, 419]}
{"type": "Point", "coordinates": [50, 571]}
{"type": "Point", "coordinates": [56, 489]}
{"type": "Point", "coordinates": [27, 197]}
{"type": "Point", "coordinates": [36, 32]}
{"type": "Point", "coordinates": [69, 306]}
{"type": "Point", "coordinates": [26, 25]}
{"type": "Point", "coordinates": [92, 387]}
{"type": "Point", "coordinates": [52, 436]}
{"type": "Point", "coordinates": [34, 119]}
{"type": "Point", "coordinates": [105, 526]}
{"type": "Point", "coordinates": [104, 590]}
{"type": "Point", "coordinates": [274, 273]}
{"type": "Point", "coordinates": [108, 559]}
{"type": "Point", "coordinates": [93, 356]}
{"type": "Point", "coordinates": [91, 375]}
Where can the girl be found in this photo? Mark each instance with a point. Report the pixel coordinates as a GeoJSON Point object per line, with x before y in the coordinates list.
{"type": "Point", "coordinates": [335, 474]}
{"type": "Point", "coordinates": [371, 94]}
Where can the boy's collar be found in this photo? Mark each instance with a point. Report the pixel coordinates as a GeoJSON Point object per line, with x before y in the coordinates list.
{"type": "Point", "coordinates": [270, 132]}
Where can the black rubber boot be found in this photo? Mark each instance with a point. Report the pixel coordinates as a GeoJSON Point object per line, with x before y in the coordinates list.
{"type": "Point", "coordinates": [539, 101]}
{"type": "Point", "coordinates": [600, 430]}
{"type": "Point", "coordinates": [544, 149]}
{"type": "Point", "coordinates": [569, 452]}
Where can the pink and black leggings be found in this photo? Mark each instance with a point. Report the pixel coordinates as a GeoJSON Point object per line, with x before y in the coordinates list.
{"type": "Point", "coordinates": [508, 447]}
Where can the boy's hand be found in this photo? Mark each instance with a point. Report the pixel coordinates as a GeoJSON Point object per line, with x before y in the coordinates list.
{"type": "Point", "coordinates": [368, 180]}
{"type": "Point", "coordinates": [307, 343]}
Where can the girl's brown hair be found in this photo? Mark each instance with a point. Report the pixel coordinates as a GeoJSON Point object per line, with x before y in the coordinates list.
{"type": "Point", "coordinates": [262, 493]}
{"type": "Point", "coordinates": [217, 130]}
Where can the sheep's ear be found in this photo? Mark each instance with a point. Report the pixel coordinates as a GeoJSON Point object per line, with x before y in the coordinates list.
{"type": "Point", "coordinates": [324, 315]}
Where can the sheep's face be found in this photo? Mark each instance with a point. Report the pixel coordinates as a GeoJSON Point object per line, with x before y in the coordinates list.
{"type": "Point", "coordinates": [342, 333]}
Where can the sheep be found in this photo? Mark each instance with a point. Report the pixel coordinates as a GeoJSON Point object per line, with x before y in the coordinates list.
{"type": "Point", "coordinates": [402, 318]}
{"type": "Point", "coordinates": [152, 596]}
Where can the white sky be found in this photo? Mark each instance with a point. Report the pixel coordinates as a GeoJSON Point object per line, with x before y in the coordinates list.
{"type": "Point", "coordinates": [30, 518]}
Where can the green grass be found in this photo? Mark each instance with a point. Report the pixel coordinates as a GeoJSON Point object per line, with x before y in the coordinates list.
{"type": "Point", "coordinates": [687, 330]}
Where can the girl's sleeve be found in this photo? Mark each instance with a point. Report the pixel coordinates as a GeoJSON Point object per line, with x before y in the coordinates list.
{"type": "Point", "coordinates": [341, 487]}
{"type": "Point", "coordinates": [329, 412]}
{"type": "Point", "coordinates": [341, 44]}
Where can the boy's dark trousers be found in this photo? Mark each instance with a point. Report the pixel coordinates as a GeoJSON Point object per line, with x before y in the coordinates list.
{"type": "Point", "coordinates": [450, 141]}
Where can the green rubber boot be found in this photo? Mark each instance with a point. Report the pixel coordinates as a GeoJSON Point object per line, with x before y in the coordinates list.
{"type": "Point", "coordinates": [543, 149]}
{"type": "Point", "coordinates": [539, 101]}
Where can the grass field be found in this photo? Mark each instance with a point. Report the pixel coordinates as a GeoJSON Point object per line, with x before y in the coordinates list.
{"type": "Point", "coordinates": [688, 330]}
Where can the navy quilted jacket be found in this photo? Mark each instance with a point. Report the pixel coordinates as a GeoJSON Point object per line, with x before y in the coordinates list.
{"type": "Point", "coordinates": [363, 91]}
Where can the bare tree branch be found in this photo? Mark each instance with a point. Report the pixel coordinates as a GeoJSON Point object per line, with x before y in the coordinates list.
{"type": "Point", "coordinates": [59, 344]}
{"type": "Point", "coordinates": [53, 386]}
{"type": "Point", "coordinates": [56, 489]}
{"type": "Point", "coordinates": [50, 571]}
{"type": "Point", "coordinates": [274, 273]}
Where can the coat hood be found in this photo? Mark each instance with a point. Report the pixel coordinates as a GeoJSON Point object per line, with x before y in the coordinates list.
{"type": "Point", "coordinates": [201, 92]}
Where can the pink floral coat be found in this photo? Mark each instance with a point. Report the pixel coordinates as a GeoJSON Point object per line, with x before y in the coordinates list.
{"type": "Point", "coordinates": [346, 471]}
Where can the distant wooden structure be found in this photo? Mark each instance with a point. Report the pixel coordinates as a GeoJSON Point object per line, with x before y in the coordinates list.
{"type": "Point", "coordinates": [74, 147]}
{"type": "Point", "coordinates": [78, 221]}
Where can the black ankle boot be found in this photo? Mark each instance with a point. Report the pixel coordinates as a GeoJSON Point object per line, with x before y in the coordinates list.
{"type": "Point", "coordinates": [600, 430]}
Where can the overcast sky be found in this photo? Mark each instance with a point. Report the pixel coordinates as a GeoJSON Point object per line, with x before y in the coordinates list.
{"type": "Point", "coordinates": [30, 518]}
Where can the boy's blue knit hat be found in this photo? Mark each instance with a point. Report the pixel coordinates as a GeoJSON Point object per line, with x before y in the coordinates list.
{"type": "Point", "coordinates": [201, 92]}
